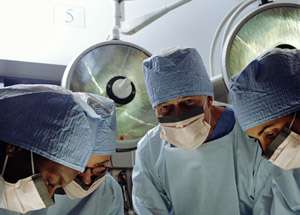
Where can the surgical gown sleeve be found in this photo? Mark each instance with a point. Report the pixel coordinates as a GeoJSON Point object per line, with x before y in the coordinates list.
{"type": "Point", "coordinates": [281, 196]}
{"type": "Point", "coordinates": [149, 195]}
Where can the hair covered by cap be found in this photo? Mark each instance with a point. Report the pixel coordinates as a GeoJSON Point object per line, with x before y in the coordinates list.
{"type": "Point", "coordinates": [102, 116]}
{"type": "Point", "coordinates": [46, 120]}
{"type": "Point", "coordinates": [268, 88]}
{"type": "Point", "coordinates": [54, 122]}
{"type": "Point", "coordinates": [180, 72]}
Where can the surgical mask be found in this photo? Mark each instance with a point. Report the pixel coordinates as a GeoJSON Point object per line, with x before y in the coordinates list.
{"type": "Point", "coordinates": [75, 189]}
{"type": "Point", "coordinates": [284, 151]}
{"type": "Point", "coordinates": [26, 195]}
{"type": "Point", "coordinates": [188, 134]}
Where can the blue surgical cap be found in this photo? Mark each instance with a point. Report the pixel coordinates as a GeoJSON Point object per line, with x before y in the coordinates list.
{"type": "Point", "coordinates": [102, 115]}
{"type": "Point", "coordinates": [50, 121]}
{"type": "Point", "coordinates": [268, 88]}
{"type": "Point", "coordinates": [177, 73]}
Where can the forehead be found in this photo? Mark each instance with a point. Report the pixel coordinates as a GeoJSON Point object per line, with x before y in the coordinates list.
{"type": "Point", "coordinates": [95, 159]}
{"type": "Point", "coordinates": [52, 166]}
{"type": "Point", "coordinates": [275, 123]}
{"type": "Point", "coordinates": [182, 98]}
{"type": "Point", "coordinates": [48, 167]}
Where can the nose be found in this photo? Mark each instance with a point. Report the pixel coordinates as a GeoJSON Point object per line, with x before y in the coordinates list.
{"type": "Point", "coordinates": [86, 177]}
{"type": "Point", "coordinates": [177, 109]}
{"type": "Point", "coordinates": [51, 190]}
{"type": "Point", "coordinates": [52, 182]}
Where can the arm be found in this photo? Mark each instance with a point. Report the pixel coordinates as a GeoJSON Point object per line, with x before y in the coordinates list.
{"type": "Point", "coordinates": [148, 195]}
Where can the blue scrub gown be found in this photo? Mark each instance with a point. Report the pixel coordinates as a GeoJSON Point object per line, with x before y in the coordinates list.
{"type": "Point", "coordinates": [220, 177]}
{"type": "Point", "coordinates": [106, 200]}
{"type": "Point", "coordinates": [281, 196]}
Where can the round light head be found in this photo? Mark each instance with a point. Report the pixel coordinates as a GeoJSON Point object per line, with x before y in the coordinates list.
{"type": "Point", "coordinates": [272, 25]}
{"type": "Point", "coordinates": [115, 69]}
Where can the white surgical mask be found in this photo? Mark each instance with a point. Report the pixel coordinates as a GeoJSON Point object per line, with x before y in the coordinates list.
{"type": "Point", "coordinates": [74, 190]}
{"type": "Point", "coordinates": [26, 195]}
{"type": "Point", "coordinates": [187, 134]}
{"type": "Point", "coordinates": [287, 153]}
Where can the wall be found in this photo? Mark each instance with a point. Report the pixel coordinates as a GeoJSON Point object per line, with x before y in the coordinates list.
{"type": "Point", "coordinates": [34, 30]}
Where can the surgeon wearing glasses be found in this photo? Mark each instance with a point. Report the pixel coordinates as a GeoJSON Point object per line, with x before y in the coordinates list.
{"type": "Point", "coordinates": [94, 191]}
{"type": "Point", "coordinates": [266, 101]}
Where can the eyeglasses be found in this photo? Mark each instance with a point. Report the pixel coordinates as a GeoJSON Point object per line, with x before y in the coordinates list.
{"type": "Point", "coordinates": [100, 169]}
{"type": "Point", "coordinates": [97, 172]}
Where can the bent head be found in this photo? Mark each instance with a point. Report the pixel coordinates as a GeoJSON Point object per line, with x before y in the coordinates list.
{"type": "Point", "coordinates": [266, 95]}
{"type": "Point", "coordinates": [266, 132]}
{"type": "Point", "coordinates": [19, 166]}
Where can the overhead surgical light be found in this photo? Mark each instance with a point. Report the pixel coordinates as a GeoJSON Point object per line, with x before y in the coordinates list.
{"type": "Point", "coordinates": [114, 69]}
{"type": "Point", "coordinates": [251, 29]}
{"type": "Point", "coordinates": [139, 23]}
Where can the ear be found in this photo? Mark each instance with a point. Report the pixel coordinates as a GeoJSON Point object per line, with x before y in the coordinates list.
{"type": "Point", "coordinates": [156, 111]}
{"type": "Point", "coordinates": [296, 125]}
{"type": "Point", "coordinates": [209, 101]}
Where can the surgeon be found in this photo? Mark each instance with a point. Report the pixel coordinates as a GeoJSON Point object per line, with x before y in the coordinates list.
{"type": "Point", "coordinates": [48, 135]}
{"type": "Point", "coordinates": [266, 101]}
{"type": "Point", "coordinates": [95, 191]}
{"type": "Point", "coordinates": [197, 160]}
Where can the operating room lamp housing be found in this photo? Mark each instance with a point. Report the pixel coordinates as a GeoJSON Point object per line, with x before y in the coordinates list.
{"type": "Point", "coordinates": [251, 28]}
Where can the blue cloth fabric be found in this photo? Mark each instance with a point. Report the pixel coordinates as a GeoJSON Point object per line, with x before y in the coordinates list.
{"type": "Point", "coordinates": [222, 176]}
{"type": "Point", "coordinates": [103, 120]}
{"type": "Point", "coordinates": [177, 73]}
{"type": "Point", "coordinates": [281, 196]}
{"type": "Point", "coordinates": [106, 200]}
{"type": "Point", "coordinates": [48, 122]}
{"type": "Point", "coordinates": [224, 125]}
{"type": "Point", "coordinates": [268, 88]}
{"type": "Point", "coordinates": [52, 122]}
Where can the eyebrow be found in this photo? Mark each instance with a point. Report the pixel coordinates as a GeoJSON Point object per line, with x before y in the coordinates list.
{"type": "Point", "coordinates": [99, 164]}
{"type": "Point", "coordinates": [180, 100]}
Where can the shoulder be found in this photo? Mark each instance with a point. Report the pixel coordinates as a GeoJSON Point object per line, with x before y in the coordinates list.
{"type": "Point", "coordinates": [112, 186]}
{"type": "Point", "coordinates": [151, 141]}
{"type": "Point", "coordinates": [150, 150]}
{"type": "Point", "coordinates": [107, 199]}
{"type": "Point", "coordinates": [110, 192]}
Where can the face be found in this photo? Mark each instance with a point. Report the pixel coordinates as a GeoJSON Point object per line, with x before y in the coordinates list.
{"type": "Point", "coordinates": [97, 167]}
{"type": "Point", "coordinates": [183, 108]}
{"type": "Point", "coordinates": [267, 132]}
{"type": "Point", "coordinates": [54, 174]}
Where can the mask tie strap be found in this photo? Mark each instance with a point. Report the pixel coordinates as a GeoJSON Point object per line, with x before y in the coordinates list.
{"type": "Point", "coordinates": [32, 163]}
{"type": "Point", "coordinates": [293, 120]}
{"type": "Point", "coordinates": [4, 165]}
{"type": "Point", "coordinates": [278, 140]}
